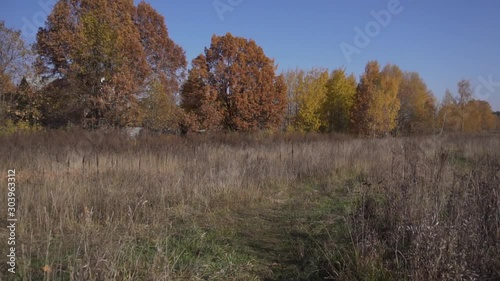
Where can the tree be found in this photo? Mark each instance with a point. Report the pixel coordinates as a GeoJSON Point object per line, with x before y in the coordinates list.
{"type": "Point", "coordinates": [376, 103]}
{"type": "Point", "coordinates": [311, 99]}
{"type": "Point", "coordinates": [59, 105]}
{"type": "Point", "coordinates": [319, 102]}
{"type": "Point", "coordinates": [418, 105]}
{"type": "Point", "coordinates": [95, 46]}
{"type": "Point", "coordinates": [465, 95]}
{"type": "Point", "coordinates": [107, 53]}
{"type": "Point", "coordinates": [448, 113]}
{"type": "Point", "coordinates": [15, 58]}
{"type": "Point", "coordinates": [497, 114]}
{"type": "Point", "coordinates": [481, 117]}
{"type": "Point", "coordinates": [166, 59]}
{"type": "Point", "coordinates": [465, 114]}
{"type": "Point", "coordinates": [294, 80]}
{"type": "Point", "coordinates": [233, 86]}
{"type": "Point", "coordinates": [161, 114]}
{"type": "Point", "coordinates": [340, 94]}
{"type": "Point", "coordinates": [200, 101]}
{"type": "Point", "coordinates": [26, 105]}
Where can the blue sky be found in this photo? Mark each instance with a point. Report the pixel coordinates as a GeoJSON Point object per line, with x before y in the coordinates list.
{"type": "Point", "coordinates": [445, 41]}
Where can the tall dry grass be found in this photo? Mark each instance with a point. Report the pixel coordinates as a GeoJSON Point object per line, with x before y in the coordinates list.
{"type": "Point", "coordinates": [101, 206]}
{"type": "Point", "coordinates": [428, 209]}
{"type": "Point", "coordinates": [92, 205]}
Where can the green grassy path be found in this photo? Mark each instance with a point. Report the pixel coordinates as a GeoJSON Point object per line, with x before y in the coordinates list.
{"type": "Point", "coordinates": [286, 237]}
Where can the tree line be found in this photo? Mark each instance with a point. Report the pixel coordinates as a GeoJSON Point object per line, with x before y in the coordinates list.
{"type": "Point", "coordinates": [103, 63]}
{"type": "Point", "coordinates": [385, 101]}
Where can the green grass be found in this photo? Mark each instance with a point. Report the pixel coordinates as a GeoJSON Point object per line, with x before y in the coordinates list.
{"type": "Point", "coordinates": [295, 233]}
{"type": "Point", "coordinates": [282, 239]}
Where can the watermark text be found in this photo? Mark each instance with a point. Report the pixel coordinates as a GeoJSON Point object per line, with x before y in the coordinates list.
{"type": "Point", "coordinates": [224, 6]}
{"type": "Point", "coordinates": [486, 87]}
{"type": "Point", "coordinates": [363, 37]}
{"type": "Point", "coordinates": [11, 220]}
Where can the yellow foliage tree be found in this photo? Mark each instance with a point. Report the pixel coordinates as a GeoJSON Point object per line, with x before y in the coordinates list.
{"type": "Point", "coordinates": [377, 103]}
{"type": "Point", "coordinates": [311, 97]}
{"type": "Point", "coordinates": [448, 119]}
{"type": "Point", "coordinates": [294, 79]}
{"type": "Point", "coordinates": [465, 96]}
{"type": "Point", "coordinates": [465, 114]}
{"type": "Point", "coordinates": [480, 117]}
{"type": "Point", "coordinates": [418, 106]}
{"type": "Point", "coordinates": [340, 94]}
{"type": "Point", "coordinates": [161, 114]}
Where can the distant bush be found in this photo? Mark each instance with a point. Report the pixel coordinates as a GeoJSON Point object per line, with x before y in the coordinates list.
{"type": "Point", "coordinates": [9, 127]}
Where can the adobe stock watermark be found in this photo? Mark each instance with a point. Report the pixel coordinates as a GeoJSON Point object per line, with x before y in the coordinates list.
{"type": "Point", "coordinates": [486, 87]}
{"type": "Point", "coordinates": [363, 37]}
{"type": "Point", "coordinates": [30, 26]}
{"type": "Point", "coordinates": [224, 6]}
{"type": "Point", "coordinates": [11, 220]}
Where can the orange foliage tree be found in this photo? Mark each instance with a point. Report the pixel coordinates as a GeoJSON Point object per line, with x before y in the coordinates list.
{"type": "Point", "coordinates": [166, 59]}
{"type": "Point", "coordinates": [105, 51]}
{"type": "Point", "coordinates": [233, 86]}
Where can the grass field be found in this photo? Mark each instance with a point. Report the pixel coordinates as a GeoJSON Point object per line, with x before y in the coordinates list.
{"type": "Point", "coordinates": [99, 206]}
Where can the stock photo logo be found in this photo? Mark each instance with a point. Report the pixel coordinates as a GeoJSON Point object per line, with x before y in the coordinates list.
{"type": "Point", "coordinates": [30, 25]}
{"type": "Point", "coordinates": [486, 87]}
{"type": "Point", "coordinates": [224, 6]}
{"type": "Point", "coordinates": [372, 29]}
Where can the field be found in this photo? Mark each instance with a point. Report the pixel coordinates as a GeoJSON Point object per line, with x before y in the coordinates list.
{"type": "Point", "coordinates": [101, 206]}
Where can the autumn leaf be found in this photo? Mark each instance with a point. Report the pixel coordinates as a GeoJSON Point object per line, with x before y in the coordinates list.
{"type": "Point", "coordinates": [47, 269]}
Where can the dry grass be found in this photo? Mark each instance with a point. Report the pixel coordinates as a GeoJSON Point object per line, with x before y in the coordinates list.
{"type": "Point", "coordinates": [431, 210]}
{"type": "Point", "coordinates": [98, 206]}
